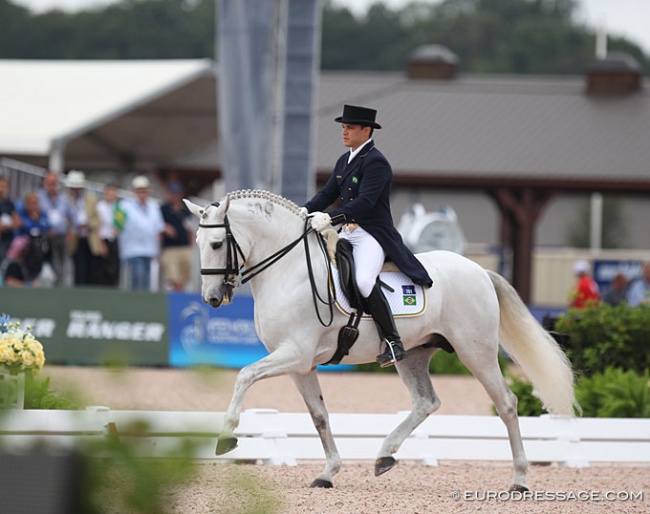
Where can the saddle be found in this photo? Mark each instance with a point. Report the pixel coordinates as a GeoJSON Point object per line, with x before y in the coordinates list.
{"type": "Point", "coordinates": [341, 252]}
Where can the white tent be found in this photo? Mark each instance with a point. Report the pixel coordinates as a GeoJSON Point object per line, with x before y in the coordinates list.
{"type": "Point", "coordinates": [107, 115]}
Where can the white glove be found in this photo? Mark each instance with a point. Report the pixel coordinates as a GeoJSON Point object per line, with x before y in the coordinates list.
{"type": "Point", "coordinates": [320, 221]}
{"type": "Point", "coordinates": [303, 211]}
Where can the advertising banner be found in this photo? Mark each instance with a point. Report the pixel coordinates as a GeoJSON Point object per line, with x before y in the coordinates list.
{"type": "Point", "coordinates": [92, 326]}
{"type": "Point", "coordinates": [224, 337]}
{"type": "Point", "coordinates": [605, 270]}
{"type": "Point", "coordinates": [201, 335]}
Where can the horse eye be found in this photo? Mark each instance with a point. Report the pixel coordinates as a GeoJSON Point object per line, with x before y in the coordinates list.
{"type": "Point", "coordinates": [216, 245]}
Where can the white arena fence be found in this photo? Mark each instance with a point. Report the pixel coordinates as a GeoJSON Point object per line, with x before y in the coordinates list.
{"type": "Point", "coordinates": [275, 438]}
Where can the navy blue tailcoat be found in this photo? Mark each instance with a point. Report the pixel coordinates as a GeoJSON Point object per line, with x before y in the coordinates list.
{"type": "Point", "coordinates": [360, 193]}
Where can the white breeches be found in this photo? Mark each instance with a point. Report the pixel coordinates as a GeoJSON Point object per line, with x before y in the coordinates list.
{"type": "Point", "coordinates": [369, 258]}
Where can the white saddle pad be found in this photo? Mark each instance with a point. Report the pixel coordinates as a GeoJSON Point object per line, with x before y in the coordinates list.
{"type": "Point", "coordinates": [406, 299]}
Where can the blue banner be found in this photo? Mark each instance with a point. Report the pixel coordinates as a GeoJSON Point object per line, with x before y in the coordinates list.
{"type": "Point", "coordinates": [201, 335]}
{"type": "Point", "coordinates": [605, 270]}
{"type": "Point", "coordinates": [225, 337]}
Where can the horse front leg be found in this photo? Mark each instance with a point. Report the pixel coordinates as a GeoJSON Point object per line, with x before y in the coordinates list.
{"type": "Point", "coordinates": [414, 372]}
{"type": "Point", "coordinates": [280, 362]}
{"type": "Point", "coordinates": [310, 390]}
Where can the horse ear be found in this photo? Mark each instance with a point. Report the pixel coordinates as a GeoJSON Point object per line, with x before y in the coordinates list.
{"type": "Point", "coordinates": [225, 204]}
{"type": "Point", "coordinates": [194, 209]}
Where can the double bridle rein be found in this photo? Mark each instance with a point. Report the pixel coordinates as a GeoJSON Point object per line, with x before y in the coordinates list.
{"type": "Point", "coordinates": [233, 267]}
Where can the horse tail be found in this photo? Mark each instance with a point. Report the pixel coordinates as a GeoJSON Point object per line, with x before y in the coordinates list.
{"type": "Point", "coordinates": [533, 348]}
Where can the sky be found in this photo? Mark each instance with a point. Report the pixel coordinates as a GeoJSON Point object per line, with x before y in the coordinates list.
{"type": "Point", "coordinates": [627, 18]}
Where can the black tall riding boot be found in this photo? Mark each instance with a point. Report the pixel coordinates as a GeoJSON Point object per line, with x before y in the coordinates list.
{"type": "Point", "coordinates": [377, 306]}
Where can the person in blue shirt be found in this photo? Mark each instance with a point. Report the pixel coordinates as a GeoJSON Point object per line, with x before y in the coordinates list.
{"type": "Point", "coordinates": [638, 292]}
{"type": "Point", "coordinates": [360, 187]}
{"type": "Point", "coordinates": [139, 239]}
{"type": "Point", "coordinates": [30, 247]}
{"type": "Point", "coordinates": [61, 217]}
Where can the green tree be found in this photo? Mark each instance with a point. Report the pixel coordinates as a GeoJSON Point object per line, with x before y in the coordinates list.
{"type": "Point", "coordinates": [489, 36]}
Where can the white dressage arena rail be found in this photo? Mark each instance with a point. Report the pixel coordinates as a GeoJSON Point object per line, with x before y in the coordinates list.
{"type": "Point", "coordinates": [272, 437]}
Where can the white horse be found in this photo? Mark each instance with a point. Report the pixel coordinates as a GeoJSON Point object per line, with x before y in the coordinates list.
{"type": "Point", "coordinates": [472, 309]}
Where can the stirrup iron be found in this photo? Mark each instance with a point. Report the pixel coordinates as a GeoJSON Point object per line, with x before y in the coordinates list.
{"type": "Point", "coordinates": [391, 356]}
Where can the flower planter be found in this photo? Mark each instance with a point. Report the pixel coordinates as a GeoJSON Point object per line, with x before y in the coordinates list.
{"type": "Point", "coordinates": [12, 389]}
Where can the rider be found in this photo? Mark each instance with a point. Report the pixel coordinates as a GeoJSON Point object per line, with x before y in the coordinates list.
{"type": "Point", "coordinates": [360, 185]}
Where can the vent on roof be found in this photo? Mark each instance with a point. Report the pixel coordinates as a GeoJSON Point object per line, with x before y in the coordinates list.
{"type": "Point", "coordinates": [432, 62]}
{"type": "Point", "coordinates": [617, 74]}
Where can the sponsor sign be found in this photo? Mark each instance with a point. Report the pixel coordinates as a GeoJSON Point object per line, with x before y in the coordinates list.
{"type": "Point", "coordinates": [225, 337]}
{"type": "Point", "coordinates": [92, 326]}
{"type": "Point", "coordinates": [201, 335]}
{"type": "Point", "coordinates": [605, 270]}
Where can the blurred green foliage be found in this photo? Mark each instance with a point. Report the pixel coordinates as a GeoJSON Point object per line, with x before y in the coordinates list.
{"type": "Point", "coordinates": [613, 393]}
{"type": "Point", "coordinates": [601, 337]}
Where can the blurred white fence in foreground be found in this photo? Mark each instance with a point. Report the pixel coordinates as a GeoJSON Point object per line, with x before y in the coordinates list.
{"type": "Point", "coordinates": [274, 438]}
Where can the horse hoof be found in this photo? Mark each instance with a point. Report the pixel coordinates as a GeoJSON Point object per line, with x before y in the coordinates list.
{"type": "Point", "coordinates": [226, 444]}
{"type": "Point", "coordinates": [384, 464]}
{"type": "Point", "coordinates": [518, 488]}
{"type": "Point", "coordinates": [319, 482]}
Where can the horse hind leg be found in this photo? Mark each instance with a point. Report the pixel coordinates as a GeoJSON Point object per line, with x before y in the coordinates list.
{"type": "Point", "coordinates": [414, 372]}
{"type": "Point", "coordinates": [310, 390]}
{"type": "Point", "coordinates": [505, 402]}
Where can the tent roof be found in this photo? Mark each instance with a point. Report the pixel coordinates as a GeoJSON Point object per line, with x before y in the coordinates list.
{"type": "Point", "coordinates": [108, 114]}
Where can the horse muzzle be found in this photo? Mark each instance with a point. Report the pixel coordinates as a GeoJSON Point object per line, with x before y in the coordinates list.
{"type": "Point", "coordinates": [220, 296]}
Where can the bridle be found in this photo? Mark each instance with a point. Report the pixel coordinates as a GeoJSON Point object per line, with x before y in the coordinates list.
{"type": "Point", "coordinates": [233, 267]}
{"type": "Point", "coordinates": [233, 250]}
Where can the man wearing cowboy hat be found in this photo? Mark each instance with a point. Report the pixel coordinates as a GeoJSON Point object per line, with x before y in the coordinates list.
{"type": "Point", "coordinates": [360, 185]}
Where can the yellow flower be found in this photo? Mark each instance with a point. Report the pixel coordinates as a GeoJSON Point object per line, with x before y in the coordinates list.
{"type": "Point", "coordinates": [7, 355]}
{"type": "Point", "coordinates": [27, 358]}
{"type": "Point", "coordinates": [40, 359]}
{"type": "Point", "coordinates": [19, 350]}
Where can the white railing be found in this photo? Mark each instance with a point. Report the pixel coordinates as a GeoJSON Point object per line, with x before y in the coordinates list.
{"type": "Point", "coordinates": [273, 437]}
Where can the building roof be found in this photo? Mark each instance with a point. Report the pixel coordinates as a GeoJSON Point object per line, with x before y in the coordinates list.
{"type": "Point", "coordinates": [473, 130]}
{"type": "Point", "coordinates": [496, 128]}
{"type": "Point", "coordinates": [106, 113]}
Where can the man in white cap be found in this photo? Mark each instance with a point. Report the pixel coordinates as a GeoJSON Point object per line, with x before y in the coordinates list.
{"type": "Point", "coordinates": [85, 242]}
{"type": "Point", "coordinates": [140, 238]}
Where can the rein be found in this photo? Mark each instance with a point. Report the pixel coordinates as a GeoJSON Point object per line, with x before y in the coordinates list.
{"type": "Point", "coordinates": [233, 266]}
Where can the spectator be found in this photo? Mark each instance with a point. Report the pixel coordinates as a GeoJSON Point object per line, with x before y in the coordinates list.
{"type": "Point", "coordinates": [29, 247]}
{"type": "Point", "coordinates": [85, 241]}
{"type": "Point", "coordinates": [106, 264]}
{"type": "Point", "coordinates": [585, 291]}
{"type": "Point", "coordinates": [140, 238]}
{"type": "Point", "coordinates": [617, 290]}
{"type": "Point", "coordinates": [61, 221]}
{"type": "Point", "coordinates": [9, 219]}
{"type": "Point", "coordinates": [639, 290]}
{"type": "Point", "coordinates": [176, 257]}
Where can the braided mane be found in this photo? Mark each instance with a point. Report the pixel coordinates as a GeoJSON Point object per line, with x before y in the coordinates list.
{"type": "Point", "coordinates": [265, 195]}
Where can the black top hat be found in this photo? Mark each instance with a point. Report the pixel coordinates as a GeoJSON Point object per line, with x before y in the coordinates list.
{"type": "Point", "coordinates": [358, 116]}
